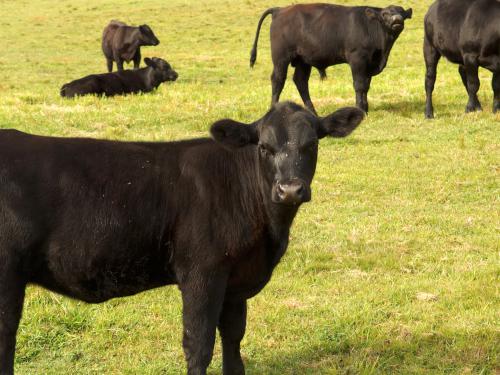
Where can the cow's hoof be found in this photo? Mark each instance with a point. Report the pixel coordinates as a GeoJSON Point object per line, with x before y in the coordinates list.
{"type": "Point", "coordinates": [473, 108]}
{"type": "Point", "coordinates": [496, 107]}
{"type": "Point", "coordinates": [429, 116]}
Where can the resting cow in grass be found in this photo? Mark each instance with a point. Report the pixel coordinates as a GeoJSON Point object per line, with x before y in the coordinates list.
{"type": "Point", "coordinates": [467, 33]}
{"type": "Point", "coordinates": [121, 42]}
{"type": "Point", "coordinates": [122, 82]}
{"type": "Point", "coordinates": [95, 219]}
{"type": "Point", "coordinates": [321, 35]}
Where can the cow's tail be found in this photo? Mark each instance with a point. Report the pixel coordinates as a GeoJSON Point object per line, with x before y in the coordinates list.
{"type": "Point", "coordinates": [253, 54]}
{"type": "Point", "coordinates": [322, 74]}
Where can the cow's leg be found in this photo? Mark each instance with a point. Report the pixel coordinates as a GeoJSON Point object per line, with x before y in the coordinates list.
{"type": "Point", "coordinates": [137, 59]}
{"type": "Point", "coordinates": [232, 324]}
{"type": "Point", "coordinates": [301, 79]}
{"type": "Point", "coordinates": [12, 287]}
{"type": "Point", "coordinates": [362, 80]}
{"type": "Point", "coordinates": [495, 83]}
{"type": "Point", "coordinates": [109, 63]}
{"type": "Point", "coordinates": [431, 56]}
{"type": "Point", "coordinates": [278, 78]}
{"type": "Point", "coordinates": [472, 77]}
{"type": "Point", "coordinates": [202, 297]}
{"type": "Point", "coordinates": [118, 61]}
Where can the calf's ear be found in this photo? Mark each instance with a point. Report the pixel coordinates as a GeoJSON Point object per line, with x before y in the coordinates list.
{"type": "Point", "coordinates": [149, 62]}
{"type": "Point", "coordinates": [408, 13]}
{"type": "Point", "coordinates": [234, 134]}
{"type": "Point", "coordinates": [340, 123]}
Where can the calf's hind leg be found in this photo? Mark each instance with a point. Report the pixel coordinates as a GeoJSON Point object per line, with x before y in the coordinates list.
{"type": "Point", "coordinates": [12, 288]}
{"type": "Point", "coordinates": [278, 78]}
{"type": "Point", "coordinates": [301, 80]}
{"type": "Point", "coordinates": [232, 324]}
{"type": "Point", "coordinates": [109, 63]}
{"type": "Point", "coordinates": [471, 75]}
{"type": "Point", "coordinates": [495, 83]}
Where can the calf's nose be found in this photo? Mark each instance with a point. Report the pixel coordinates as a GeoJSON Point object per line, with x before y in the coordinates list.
{"type": "Point", "coordinates": [291, 193]}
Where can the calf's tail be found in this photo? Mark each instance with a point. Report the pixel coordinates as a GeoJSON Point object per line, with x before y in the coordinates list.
{"type": "Point", "coordinates": [253, 54]}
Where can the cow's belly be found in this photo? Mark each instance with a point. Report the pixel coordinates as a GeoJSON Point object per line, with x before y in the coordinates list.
{"type": "Point", "coordinates": [97, 277]}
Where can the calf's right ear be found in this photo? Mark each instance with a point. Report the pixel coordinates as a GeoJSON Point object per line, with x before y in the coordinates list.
{"type": "Point", "coordinates": [340, 123]}
{"type": "Point", "coordinates": [234, 134]}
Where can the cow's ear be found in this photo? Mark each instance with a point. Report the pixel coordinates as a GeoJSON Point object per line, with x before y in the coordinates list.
{"type": "Point", "coordinates": [408, 13]}
{"type": "Point", "coordinates": [340, 123]}
{"type": "Point", "coordinates": [234, 134]}
{"type": "Point", "coordinates": [371, 13]}
{"type": "Point", "coordinates": [143, 29]}
{"type": "Point", "coordinates": [149, 62]}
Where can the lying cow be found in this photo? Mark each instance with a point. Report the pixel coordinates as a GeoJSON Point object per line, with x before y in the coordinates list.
{"type": "Point", "coordinates": [122, 82]}
{"type": "Point", "coordinates": [321, 35]}
{"type": "Point", "coordinates": [467, 33]}
{"type": "Point", "coordinates": [121, 42]}
{"type": "Point", "coordinates": [95, 219]}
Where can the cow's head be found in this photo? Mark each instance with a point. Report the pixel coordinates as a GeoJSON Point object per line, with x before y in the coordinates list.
{"type": "Point", "coordinates": [148, 38]}
{"type": "Point", "coordinates": [286, 141]}
{"type": "Point", "coordinates": [392, 18]}
{"type": "Point", "coordinates": [162, 69]}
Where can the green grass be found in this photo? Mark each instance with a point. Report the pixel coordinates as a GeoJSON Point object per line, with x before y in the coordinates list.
{"type": "Point", "coordinates": [402, 207]}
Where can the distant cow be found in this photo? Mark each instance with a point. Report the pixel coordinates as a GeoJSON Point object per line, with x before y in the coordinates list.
{"type": "Point", "coordinates": [121, 42]}
{"type": "Point", "coordinates": [95, 219]}
{"type": "Point", "coordinates": [122, 82]}
{"type": "Point", "coordinates": [321, 35]}
{"type": "Point", "coordinates": [467, 33]}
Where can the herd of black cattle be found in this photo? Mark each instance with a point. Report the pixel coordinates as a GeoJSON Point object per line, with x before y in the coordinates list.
{"type": "Point", "coordinates": [97, 219]}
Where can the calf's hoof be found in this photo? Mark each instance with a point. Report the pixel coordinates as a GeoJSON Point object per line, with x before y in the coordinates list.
{"type": "Point", "coordinates": [496, 107]}
{"type": "Point", "coordinates": [429, 116]}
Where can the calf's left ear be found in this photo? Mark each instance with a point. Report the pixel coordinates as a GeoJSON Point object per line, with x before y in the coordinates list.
{"type": "Point", "coordinates": [149, 62]}
{"type": "Point", "coordinates": [234, 134]}
{"type": "Point", "coordinates": [408, 13]}
{"type": "Point", "coordinates": [340, 123]}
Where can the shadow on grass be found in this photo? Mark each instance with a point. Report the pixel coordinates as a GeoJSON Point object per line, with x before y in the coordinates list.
{"type": "Point", "coordinates": [451, 352]}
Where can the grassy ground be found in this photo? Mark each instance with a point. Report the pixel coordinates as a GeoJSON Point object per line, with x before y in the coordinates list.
{"type": "Point", "coordinates": [402, 208]}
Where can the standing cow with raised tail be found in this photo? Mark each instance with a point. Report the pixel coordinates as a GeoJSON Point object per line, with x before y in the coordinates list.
{"type": "Point", "coordinates": [121, 42]}
{"type": "Point", "coordinates": [321, 35]}
{"type": "Point", "coordinates": [467, 33]}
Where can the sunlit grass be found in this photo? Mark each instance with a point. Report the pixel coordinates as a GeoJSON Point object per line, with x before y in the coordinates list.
{"type": "Point", "coordinates": [404, 206]}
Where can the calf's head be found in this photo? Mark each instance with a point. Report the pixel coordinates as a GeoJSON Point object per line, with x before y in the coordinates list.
{"type": "Point", "coordinates": [162, 69]}
{"type": "Point", "coordinates": [286, 141]}
{"type": "Point", "coordinates": [148, 38]}
{"type": "Point", "coordinates": [392, 18]}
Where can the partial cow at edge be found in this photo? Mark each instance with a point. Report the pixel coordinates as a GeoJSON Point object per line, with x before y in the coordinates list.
{"type": "Point", "coordinates": [321, 35]}
{"type": "Point", "coordinates": [123, 82]}
{"type": "Point", "coordinates": [467, 33]}
{"type": "Point", "coordinates": [96, 219]}
{"type": "Point", "coordinates": [121, 42]}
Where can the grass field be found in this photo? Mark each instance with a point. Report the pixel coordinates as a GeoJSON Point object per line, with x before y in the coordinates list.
{"type": "Point", "coordinates": [392, 268]}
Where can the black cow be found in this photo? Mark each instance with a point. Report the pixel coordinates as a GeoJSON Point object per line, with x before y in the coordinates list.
{"type": "Point", "coordinates": [467, 33]}
{"type": "Point", "coordinates": [321, 35]}
{"type": "Point", "coordinates": [95, 219]}
{"type": "Point", "coordinates": [122, 82]}
{"type": "Point", "coordinates": [121, 42]}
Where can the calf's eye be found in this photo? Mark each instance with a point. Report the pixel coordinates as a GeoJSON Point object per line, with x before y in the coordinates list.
{"type": "Point", "coordinates": [265, 150]}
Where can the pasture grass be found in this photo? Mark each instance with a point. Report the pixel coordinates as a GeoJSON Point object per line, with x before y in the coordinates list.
{"type": "Point", "coordinates": [402, 208]}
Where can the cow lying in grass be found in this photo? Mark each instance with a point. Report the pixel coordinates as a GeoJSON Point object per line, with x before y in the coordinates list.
{"type": "Point", "coordinates": [95, 219]}
{"type": "Point", "coordinates": [122, 82]}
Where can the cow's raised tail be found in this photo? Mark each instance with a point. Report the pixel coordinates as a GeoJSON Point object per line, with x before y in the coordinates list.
{"type": "Point", "coordinates": [253, 54]}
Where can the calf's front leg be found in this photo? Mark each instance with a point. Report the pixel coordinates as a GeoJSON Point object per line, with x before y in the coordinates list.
{"type": "Point", "coordinates": [202, 298]}
{"type": "Point", "coordinates": [11, 304]}
{"type": "Point", "coordinates": [232, 324]}
{"type": "Point", "coordinates": [361, 80]}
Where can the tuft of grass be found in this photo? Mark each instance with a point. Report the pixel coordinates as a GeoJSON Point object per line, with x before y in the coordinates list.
{"type": "Point", "coordinates": [403, 208]}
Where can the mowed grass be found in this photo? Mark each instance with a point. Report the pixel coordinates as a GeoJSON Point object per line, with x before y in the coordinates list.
{"type": "Point", "coordinates": [392, 268]}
